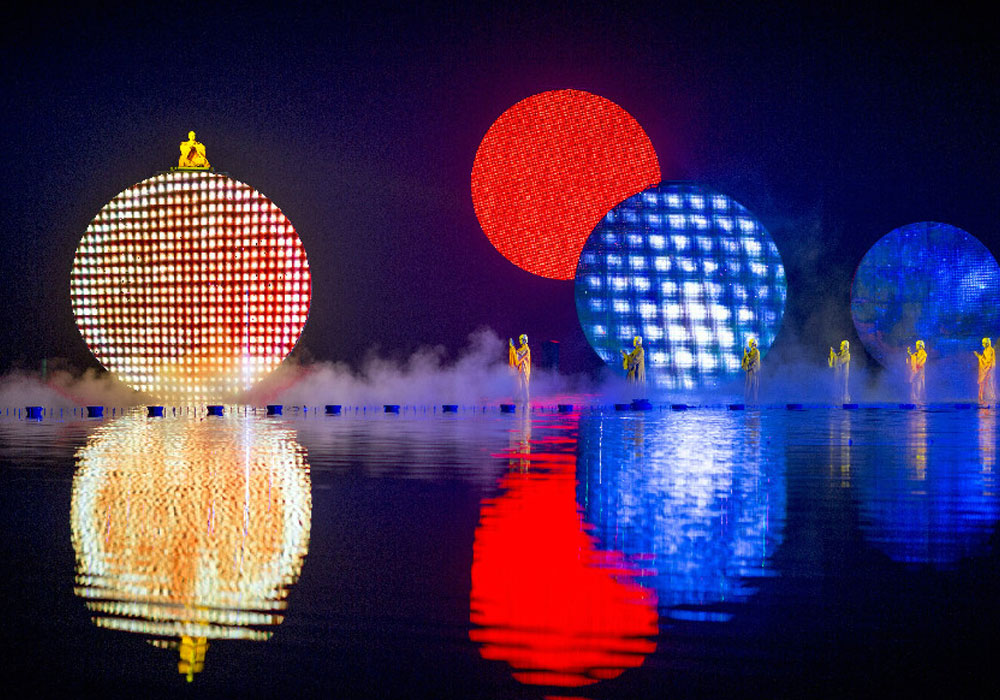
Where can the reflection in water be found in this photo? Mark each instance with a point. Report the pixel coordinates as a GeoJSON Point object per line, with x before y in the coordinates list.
{"type": "Point", "coordinates": [697, 494]}
{"type": "Point", "coordinates": [545, 599]}
{"type": "Point", "coordinates": [988, 448]}
{"type": "Point", "coordinates": [929, 495]}
{"type": "Point", "coordinates": [916, 446]}
{"type": "Point", "coordinates": [190, 530]}
{"type": "Point", "coordinates": [840, 448]}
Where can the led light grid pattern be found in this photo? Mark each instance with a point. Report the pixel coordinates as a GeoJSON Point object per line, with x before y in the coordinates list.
{"type": "Point", "coordinates": [703, 511]}
{"type": "Point", "coordinates": [190, 286]}
{"type": "Point", "coordinates": [689, 270]}
{"type": "Point", "coordinates": [928, 281]}
{"type": "Point", "coordinates": [186, 527]}
{"type": "Point", "coordinates": [549, 168]}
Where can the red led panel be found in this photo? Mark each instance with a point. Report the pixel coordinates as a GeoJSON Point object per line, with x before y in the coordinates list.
{"type": "Point", "coordinates": [190, 286]}
{"type": "Point", "coordinates": [549, 169]}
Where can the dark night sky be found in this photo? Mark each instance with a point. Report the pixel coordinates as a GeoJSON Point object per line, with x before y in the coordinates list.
{"type": "Point", "coordinates": [833, 127]}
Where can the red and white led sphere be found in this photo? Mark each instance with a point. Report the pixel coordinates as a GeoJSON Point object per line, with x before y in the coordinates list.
{"type": "Point", "coordinates": [190, 286]}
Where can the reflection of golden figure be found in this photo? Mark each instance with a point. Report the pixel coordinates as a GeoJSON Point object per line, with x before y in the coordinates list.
{"type": "Point", "coordinates": [193, 154]}
{"type": "Point", "coordinates": [186, 532]}
{"type": "Point", "coordinates": [916, 446]}
{"type": "Point", "coordinates": [987, 362]}
{"type": "Point", "coordinates": [841, 363]}
{"type": "Point", "coordinates": [840, 448]}
{"type": "Point", "coordinates": [192, 653]}
{"type": "Point", "coordinates": [520, 444]}
{"type": "Point", "coordinates": [635, 363]}
{"type": "Point", "coordinates": [988, 450]}
{"type": "Point", "coordinates": [751, 365]}
{"type": "Point", "coordinates": [520, 358]}
{"type": "Point", "coordinates": [915, 361]}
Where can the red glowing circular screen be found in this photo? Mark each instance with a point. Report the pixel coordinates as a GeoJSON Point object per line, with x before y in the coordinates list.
{"type": "Point", "coordinates": [190, 286]}
{"type": "Point", "coordinates": [549, 169]}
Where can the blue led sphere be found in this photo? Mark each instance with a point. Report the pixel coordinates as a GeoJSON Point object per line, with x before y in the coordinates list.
{"type": "Point", "coordinates": [690, 271]}
{"type": "Point", "coordinates": [928, 281]}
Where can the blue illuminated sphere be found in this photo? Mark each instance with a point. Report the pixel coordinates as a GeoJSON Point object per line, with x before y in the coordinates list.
{"type": "Point", "coordinates": [690, 271]}
{"type": "Point", "coordinates": [927, 281]}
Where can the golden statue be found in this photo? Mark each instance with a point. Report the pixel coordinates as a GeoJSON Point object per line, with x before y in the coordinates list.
{"type": "Point", "coordinates": [635, 363]}
{"type": "Point", "coordinates": [916, 361]}
{"type": "Point", "coordinates": [841, 364]}
{"type": "Point", "coordinates": [520, 359]}
{"type": "Point", "coordinates": [193, 154]}
{"type": "Point", "coordinates": [751, 365]}
{"type": "Point", "coordinates": [987, 362]}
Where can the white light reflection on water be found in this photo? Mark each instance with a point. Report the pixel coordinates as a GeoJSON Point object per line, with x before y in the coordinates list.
{"type": "Point", "coordinates": [190, 529]}
{"type": "Point", "coordinates": [698, 495]}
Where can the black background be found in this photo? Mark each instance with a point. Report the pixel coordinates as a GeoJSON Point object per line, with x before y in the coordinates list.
{"type": "Point", "coordinates": [833, 126]}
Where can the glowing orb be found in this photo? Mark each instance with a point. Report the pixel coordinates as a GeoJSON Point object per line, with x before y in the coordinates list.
{"type": "Point", "coordinates": [190, 286]}
{"type": "Point", "coordinates": [190, 528]}
{"type": "Point", "coordinates": [927, 281]}
{"type": "Point", "coordinates": [545, 600]}
{"type": "Point", "coordinates": [549, 168]}
{"type": "Point", "coordinates": [689, 270]}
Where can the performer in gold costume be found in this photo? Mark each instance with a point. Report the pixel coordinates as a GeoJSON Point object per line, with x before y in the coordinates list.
{"type": "Point", "coordinates": [520, 359]}
{"type": "Point", "coordinates": [841, 363]}
{"type": "Point", "coordinates": [751, 365]}
{"type": "Point", "coordinates": [916, 361]}
{"type": "Point", "coordinates": [987, 362]}
{"type": "Point", "coordinates": [193, 154]}
{"type": "Point", "coordinates": [634, 363]}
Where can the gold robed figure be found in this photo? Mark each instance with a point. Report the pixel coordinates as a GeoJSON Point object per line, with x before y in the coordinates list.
{"type": "Point", "coordinates": [193, 154]}
{"type": "Point", "coordinates": [987, 363]}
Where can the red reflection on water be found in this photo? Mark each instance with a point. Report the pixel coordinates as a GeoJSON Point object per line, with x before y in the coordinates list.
{"type": "Point", "coordinates": [544, 599]}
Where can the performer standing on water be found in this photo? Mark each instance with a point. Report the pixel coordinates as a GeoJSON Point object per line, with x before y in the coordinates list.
{"type": "Point", "coordinates": [751, 365]}
{"type": "Point", "coordinates": [841, 363]}
{"type": "Point", "coordinates": [635, 363]}
{"type": "Point", "coordinates": [520, 359]}
{"type": "Point", "coordinates": [915, 361]}
{"type": "Point", "coordinates": [987, 362]}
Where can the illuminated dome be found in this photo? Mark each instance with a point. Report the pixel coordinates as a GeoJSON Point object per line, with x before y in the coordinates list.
{"type": "Point", "coordinates": [692, 272]}
{"type": "Point", "coordinates": [928, 281]}
{"type": "Point", "coordinates": [190, 286]}
{"type": "Point", "coordinates": [549, 168]}
{"type": "Point", "coordinates": [190, 528]}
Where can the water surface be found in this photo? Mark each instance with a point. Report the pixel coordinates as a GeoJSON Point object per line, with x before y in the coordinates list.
{"type": "Point", "coordinates": [699, 553]}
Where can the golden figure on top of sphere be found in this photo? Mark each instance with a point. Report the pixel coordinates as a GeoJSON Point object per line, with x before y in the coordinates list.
{"type": "Point", "coordinates": [193, 154]}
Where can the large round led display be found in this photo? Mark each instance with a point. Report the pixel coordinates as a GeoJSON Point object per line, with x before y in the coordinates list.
{"type": "Point", "coordinates": [190, 286]}
{"type": "Point", "coordinates": [928, 281]}
{"type": "Point", "coordinates": [549, 168]}
{"type": "Point", "coordinates": [692, 272]}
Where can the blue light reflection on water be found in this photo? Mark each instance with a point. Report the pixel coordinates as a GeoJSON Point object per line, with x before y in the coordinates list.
{"type": "Point", "coordinates": [699, 498]}
{"type": "Point", "coordinates": [926, 485]}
